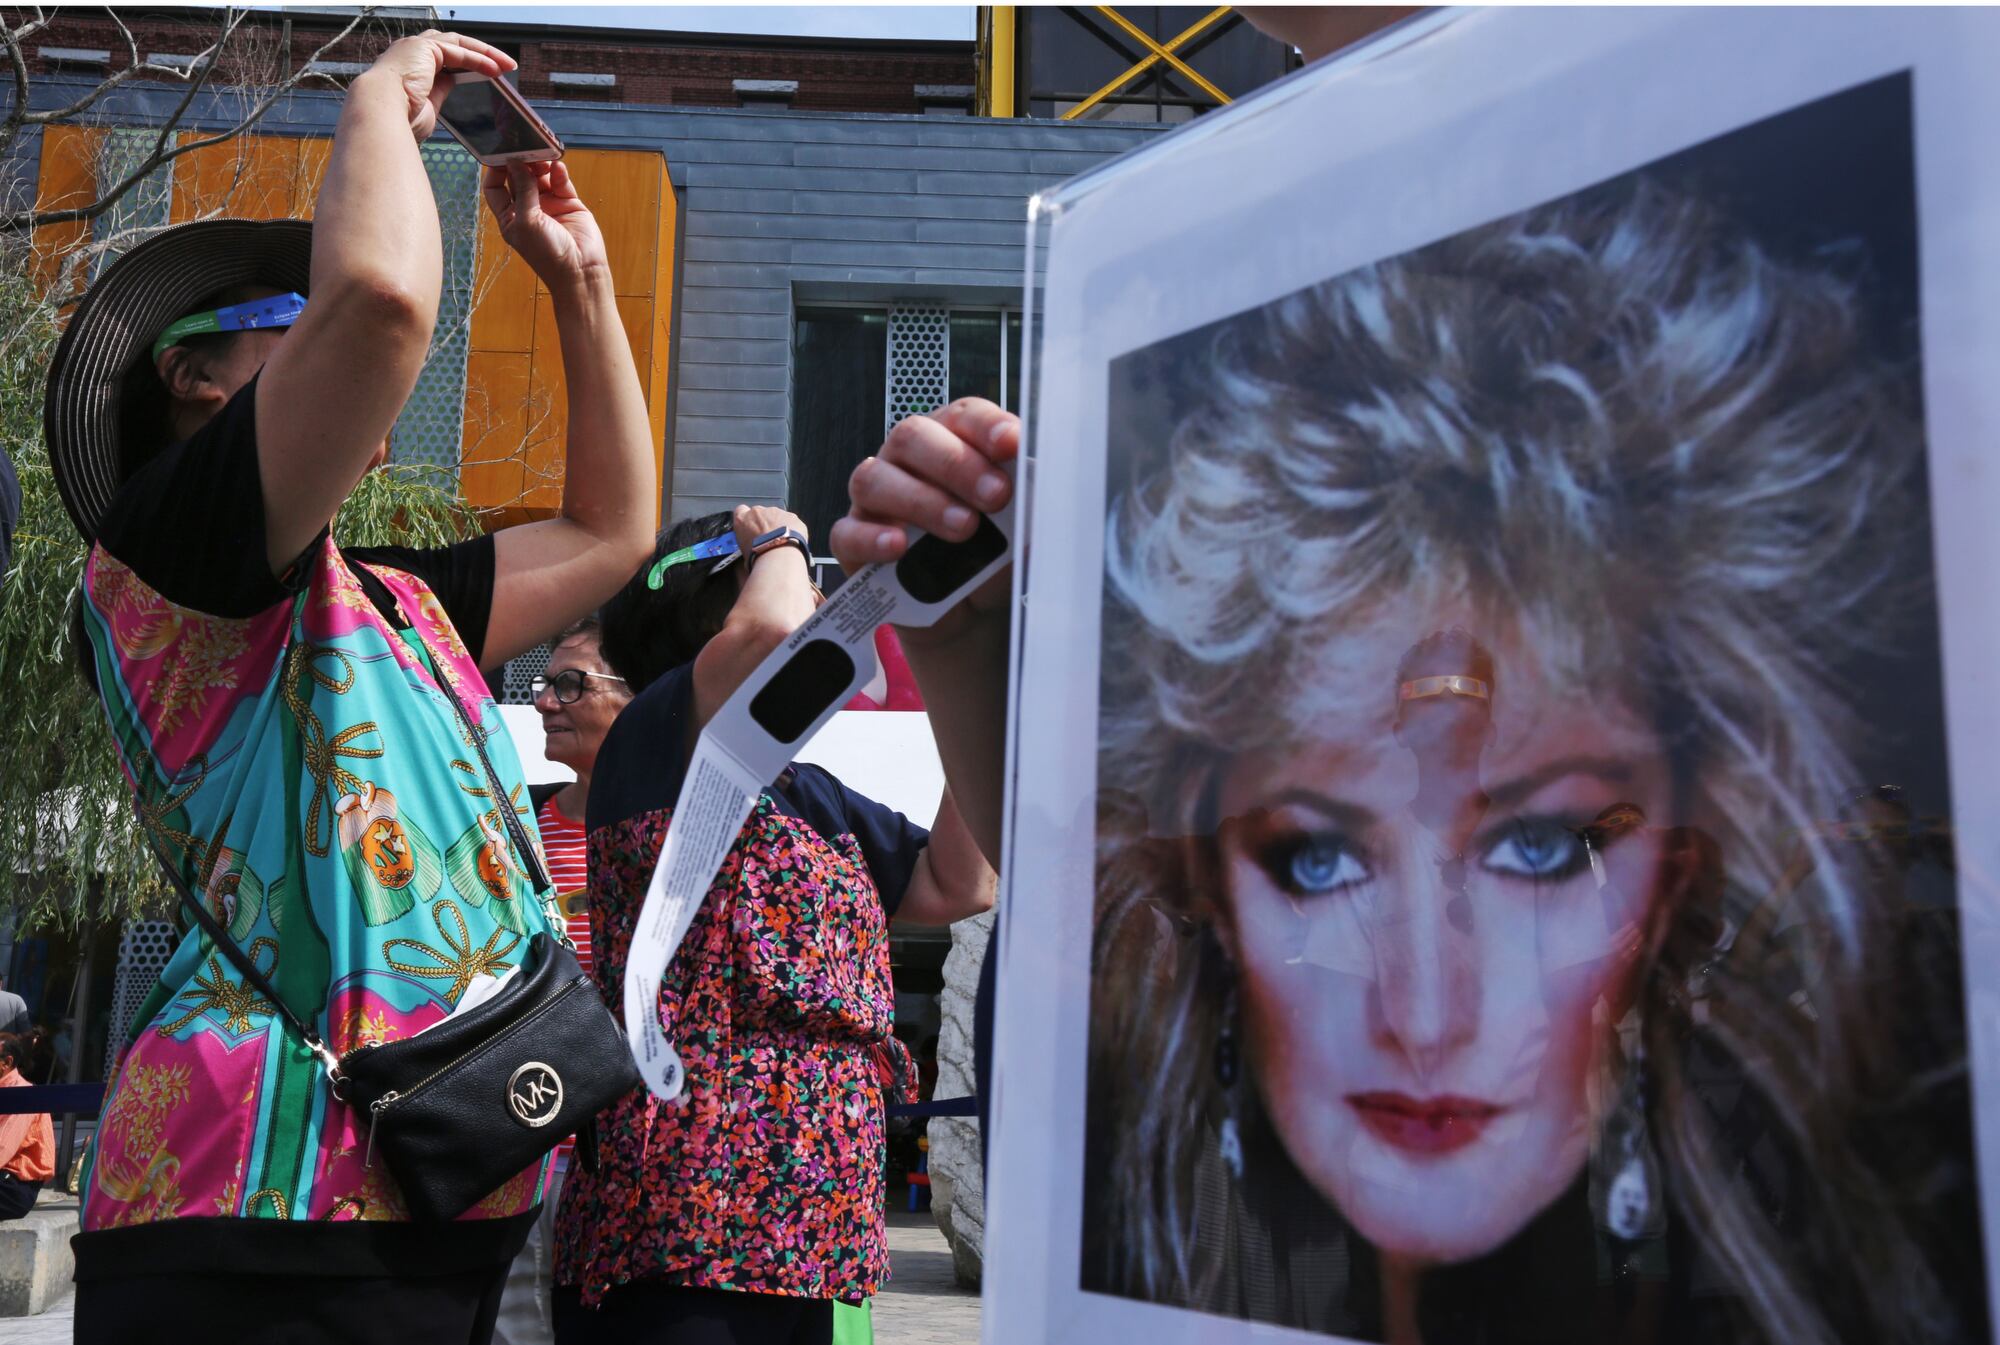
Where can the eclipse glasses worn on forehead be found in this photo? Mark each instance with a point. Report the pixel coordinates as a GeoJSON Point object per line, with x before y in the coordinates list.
{"type": "Point", "coordinates": [568, 684]}
{"type": "Point", "coordinates": [725, 551]}
{"type": "Point", "coordinates": [757, 732]}
{"type": "Point", "coordinates": [280, 310]}
{"type": "Point", "coordinates": [725, 545]}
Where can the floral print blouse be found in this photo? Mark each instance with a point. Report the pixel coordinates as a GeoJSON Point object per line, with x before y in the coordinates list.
{"type": "Point", "coordinates": [766, 1174]}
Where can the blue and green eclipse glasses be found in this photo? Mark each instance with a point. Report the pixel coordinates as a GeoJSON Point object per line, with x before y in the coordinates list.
{"type": "Point", "coordinates": [280, 310]}
{"type": "Point", "coordinates": [724, 545]}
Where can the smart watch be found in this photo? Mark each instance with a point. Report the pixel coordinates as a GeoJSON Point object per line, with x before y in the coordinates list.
{"type": "Point", "coordinates": [778, 537]}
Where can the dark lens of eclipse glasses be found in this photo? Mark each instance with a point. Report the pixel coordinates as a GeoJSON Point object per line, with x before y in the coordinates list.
{"type": "Point", "coordinates": [817, 675]}
{"type": "Point", "coordinates": [932, 568]}
{"type": "Point", "coordinates": [820, 673]}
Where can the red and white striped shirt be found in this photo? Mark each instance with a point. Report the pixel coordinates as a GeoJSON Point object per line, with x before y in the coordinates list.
{"type": "Point", "coordinates": [565, 847]}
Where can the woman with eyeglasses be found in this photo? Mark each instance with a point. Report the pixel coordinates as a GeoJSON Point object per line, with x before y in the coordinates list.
{"type": "Point", "coordinates": [577, 697]}
{"type": "Point", "coordinates": [744, 1210]}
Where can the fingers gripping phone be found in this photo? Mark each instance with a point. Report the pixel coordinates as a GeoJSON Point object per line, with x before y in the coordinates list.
{"type": "Point", "coordinates": [491, 119]}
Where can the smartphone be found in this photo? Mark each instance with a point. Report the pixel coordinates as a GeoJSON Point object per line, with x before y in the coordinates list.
{"type": "Point", "coordinates": [491, 119]}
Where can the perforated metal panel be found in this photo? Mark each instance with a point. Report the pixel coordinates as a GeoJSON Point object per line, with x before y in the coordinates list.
{"type": "Point", "coordinates": [429, 429]}
{"type": "Point", "coordinates": [143, 951]}
{"type": "Point", "coordinates": [139, 211]}
{"type": "Point", "coordinates": [515, 688]}
{"type": "Point", "coordinates": [919, 361]}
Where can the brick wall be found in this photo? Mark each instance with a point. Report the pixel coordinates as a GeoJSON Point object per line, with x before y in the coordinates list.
{"type": "Point", "coordinates": [251, 56]}
{"type": "Point", "coordinates": [672, 69]}
{"type": "Point", "coordinates": [829, 81]}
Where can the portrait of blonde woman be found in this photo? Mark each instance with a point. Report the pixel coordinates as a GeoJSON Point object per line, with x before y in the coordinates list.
{"type": "Point", "coordinates": [1525, 899]}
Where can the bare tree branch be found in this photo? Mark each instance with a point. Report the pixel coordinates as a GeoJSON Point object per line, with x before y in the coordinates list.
{"type": "Point", "coordinates": [34, 25]}
{"type": "Point", "coordinates": [131, 43]}
{"type": "Point", "coordinates": [20, 114]}
{"type": "Point", "coordinates": [18, 60]}
{"type": "Point", "coordinates": [163, 151]}
{"type": "Point", "coordinates": [231, 20]}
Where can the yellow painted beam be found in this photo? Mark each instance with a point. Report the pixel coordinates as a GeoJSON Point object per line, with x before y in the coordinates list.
{"type": "Point", "coordinates": [1000, 91]}
{"type": "Point", "coordinates": [1166, 53]}
{"type": "Point", "coordinates": [1154, 56]}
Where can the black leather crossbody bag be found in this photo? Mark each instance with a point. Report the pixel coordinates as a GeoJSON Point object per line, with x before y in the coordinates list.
{"type": "Point", "coordinates": [459, 1109]}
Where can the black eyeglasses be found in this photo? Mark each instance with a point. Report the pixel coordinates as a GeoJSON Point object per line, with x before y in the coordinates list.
{"type": "Point", "coordinates": [568, 684]}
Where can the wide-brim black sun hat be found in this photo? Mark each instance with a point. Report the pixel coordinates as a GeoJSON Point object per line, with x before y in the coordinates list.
{"type": "Point", "coordinates": [137, 298]}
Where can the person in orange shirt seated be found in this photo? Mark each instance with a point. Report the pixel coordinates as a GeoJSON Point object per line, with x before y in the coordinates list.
{"type": "Point", "coordinates": [27, 1141]}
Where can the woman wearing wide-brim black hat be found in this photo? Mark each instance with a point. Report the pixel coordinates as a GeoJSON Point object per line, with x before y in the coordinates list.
{"type": "Point", "coordinates": [283, 708]}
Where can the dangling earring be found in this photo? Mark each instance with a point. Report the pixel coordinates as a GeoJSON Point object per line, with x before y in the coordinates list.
{"type": "Point", "coordinates": [1226, 1062]}
{"type": "Point", "coordinates": [1625, 1193]}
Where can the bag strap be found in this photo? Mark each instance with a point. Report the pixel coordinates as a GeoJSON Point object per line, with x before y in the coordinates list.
{"type": "Point", "coordinates": [229, 948]}
{"type": "Point", "coordinates": [503, 802]}
{"type": "Point", "coordinates": [241, 960]}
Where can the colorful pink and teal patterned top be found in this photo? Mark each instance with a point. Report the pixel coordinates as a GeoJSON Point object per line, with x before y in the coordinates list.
{"type": "Point", "coordinates": [292, 750]}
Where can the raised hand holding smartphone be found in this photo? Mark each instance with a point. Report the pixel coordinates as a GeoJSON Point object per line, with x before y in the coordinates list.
{"type": "Point", "coordinates": [489, 117]}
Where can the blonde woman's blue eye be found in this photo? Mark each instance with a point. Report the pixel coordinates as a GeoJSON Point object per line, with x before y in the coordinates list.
{"type": "Point", "coordinates": [1317, 864]}
{"type": "Point", "coordinates": [1536, 849]}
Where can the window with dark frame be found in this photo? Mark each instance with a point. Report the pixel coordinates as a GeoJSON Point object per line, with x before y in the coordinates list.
{"type": "Point", "coordinates": [840, 365]}
{"type": "Point", "coordinates": [840, 381]}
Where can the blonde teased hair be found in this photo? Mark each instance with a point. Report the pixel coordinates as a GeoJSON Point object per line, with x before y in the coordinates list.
{"type": "Point", "coordinates": [1670, 459]}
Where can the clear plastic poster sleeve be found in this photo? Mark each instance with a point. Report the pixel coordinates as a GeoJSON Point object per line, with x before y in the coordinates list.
{"type": "Point", "coordinates": [1503, 808]}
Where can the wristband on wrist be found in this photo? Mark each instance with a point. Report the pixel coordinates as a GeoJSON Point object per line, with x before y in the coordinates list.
{"type": "Point", "coordinates": [781, 537]}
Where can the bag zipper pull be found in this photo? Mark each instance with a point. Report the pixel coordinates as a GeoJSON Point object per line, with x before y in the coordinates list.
{"type": "Point", "coordinates": [376, 1108]}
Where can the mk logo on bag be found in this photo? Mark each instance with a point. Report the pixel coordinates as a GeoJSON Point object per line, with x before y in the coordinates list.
{"type": "Point", "coordinates": [535, 1094]}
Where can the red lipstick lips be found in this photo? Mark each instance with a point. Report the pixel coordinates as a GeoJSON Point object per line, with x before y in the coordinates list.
{"type": "Point", "coordinates": [1438, 1125]}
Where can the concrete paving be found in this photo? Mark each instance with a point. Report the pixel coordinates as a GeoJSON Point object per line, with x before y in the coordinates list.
{"type": "Point", "coordinates": [923, 1304]}
{"type": "Point", "coordinates": [44, 1328]}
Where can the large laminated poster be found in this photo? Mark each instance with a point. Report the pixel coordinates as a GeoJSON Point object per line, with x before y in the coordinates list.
{"type": "Point", "coordinates": [1504, 813]}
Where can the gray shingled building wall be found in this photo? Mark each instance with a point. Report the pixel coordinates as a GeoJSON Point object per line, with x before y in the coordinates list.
{"type": "Point", "coordinates": [777, 208]}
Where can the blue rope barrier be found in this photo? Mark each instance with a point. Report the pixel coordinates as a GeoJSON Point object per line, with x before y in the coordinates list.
{"type": "Point", "coordinates": [57, 1099]}
{"type": "Point", "coordinates": [950, 1106]}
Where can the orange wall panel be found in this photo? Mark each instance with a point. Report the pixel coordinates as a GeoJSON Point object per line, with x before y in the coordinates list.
{"type": "Point", "coordinates": [635, 314]}
{"type": "Point", "coordinates": [544, 449]}
{"type": "Point", "coordinates": [503, 288]}
{"type": "Point", "coordinates": [68, 171]}
{"type": "Point", "coordinates": [65, 179]}
{"type": "Point", "coordinates": [630, 196]}
{"type": "Point", "coordinates": [496, 422]}
{"type": "Point", "coordinates": [660, 383]}
{"type": "Point", "coordinates": [311, 172]}
{"type": "Point", "coordinates": [250, 177]}
{"type": "Point", "coordinates": [622, 189]}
